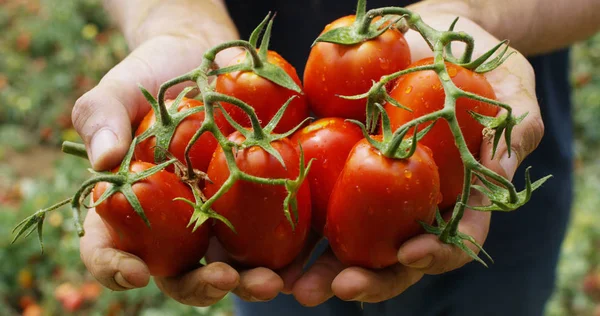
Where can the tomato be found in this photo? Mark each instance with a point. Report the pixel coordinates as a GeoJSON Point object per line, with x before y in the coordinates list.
{"type": "Point", "coordinates": [377, 202]}
{"type": "Point", "coordinates": [328, 141]}
{"type": "Point", "coordinates": [334, 69]}
{"type": "Point", "coordinates": [168, 247]}
{"type": "Point", "coordinates": [264, 236]}
{"type": "Point", "coordinates": [200, 153]}
{"type": "Point", "coordinates": [422, 92]}
{"type": "Point", "coordinates": [263, 95]}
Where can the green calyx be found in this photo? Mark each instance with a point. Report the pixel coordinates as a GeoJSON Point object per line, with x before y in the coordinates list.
{"type": "Point", "coordinates": [363, 28]}
{"type": "Point", "coordinates": [258, 62]}
{"type": "Point", "coordinates": [166, 121]}
{"type": "Point", "coordinates": [394, 145]}
{"type": "Point", "coordinates": [121, 181]}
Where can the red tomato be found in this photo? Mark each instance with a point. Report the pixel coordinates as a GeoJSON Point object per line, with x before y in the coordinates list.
{"type": "Point", "coordinates": [328, 141]}
{"type": "Point", "coordinates": [334, 69]}
{"type": "Point", "coordinates": [263, 95]}
{"type": "Point", "coordinates": [422, 92]}
{"type": "Point", "coordinates": [264, 236]}
{"type": "Point", "coordinates": [169, 247]}
{"type": "Point", "coordinates": [203, 149]}
{"type": "Point", "coordinates": [377, 202]}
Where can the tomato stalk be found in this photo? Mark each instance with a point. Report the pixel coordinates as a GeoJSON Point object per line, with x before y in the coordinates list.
{"type": "Point", "coordinates": [501, 193]}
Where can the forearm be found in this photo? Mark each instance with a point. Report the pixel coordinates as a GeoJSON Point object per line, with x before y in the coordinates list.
{"type": "Point", "coordinates": [532, 26]}
{"type": "Point", "coordinates": [205, 21]}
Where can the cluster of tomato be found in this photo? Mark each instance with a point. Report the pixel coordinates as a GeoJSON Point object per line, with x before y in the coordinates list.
{"type": "Point", "coordinates": [366, 202]}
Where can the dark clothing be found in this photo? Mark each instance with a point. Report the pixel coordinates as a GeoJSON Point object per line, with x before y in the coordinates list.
{"type": "Point", "coordinates": [524, 244]}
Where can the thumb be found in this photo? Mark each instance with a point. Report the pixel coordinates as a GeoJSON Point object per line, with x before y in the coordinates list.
{"type": "Point", "coordinates": [104, 115]}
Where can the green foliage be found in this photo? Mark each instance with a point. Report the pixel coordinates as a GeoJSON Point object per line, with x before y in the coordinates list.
{"type": "Point", "coordinates": [51, 52]}
{"type": "Point", "coordinates": [577, 290]}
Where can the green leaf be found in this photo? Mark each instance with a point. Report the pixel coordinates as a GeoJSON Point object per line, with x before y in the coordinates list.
{"type": "Point", "coordinates": [458, 240]}
{"type": "Point", "coordinates": [150, 98]}
{"type": "Point", "coordinates": [500, 196]}
{"type": "Point", "coordinates": [277, 76]}
{"type": "Point", "coordinates": [500, 124]}
{"type": "Point", "coordinates": [479, 61]}
{"type": "Point", "coordinates": [256, 32]}
{"type": "Point", "coordinates": [277, 117]}
{"type": "Point", "coordinates": [264, 44]}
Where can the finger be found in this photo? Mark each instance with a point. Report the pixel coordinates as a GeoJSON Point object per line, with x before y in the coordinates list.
{"type": "Point", "coordinates": [294, 270]}
{"type": "Point", "coordinates": [259, 285]}
{"type": "Point", "coordinates": [358, 284]}
{"type": "Point", "coordinates": [429, 255]}
{"type": "Point", "coordinates": [103, 116]}
{"type": "Point", "coordinates": [204, 286]}
{"type": "Point", "coordinates": [314, 287]}
{"type": "Point", "coordinates": [115, 269]}
{"type": "Point", "coordinates": [255, 285]}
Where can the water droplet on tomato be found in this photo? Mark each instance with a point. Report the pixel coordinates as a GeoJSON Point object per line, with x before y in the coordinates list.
{"type": "Point", "coordinates": [407, 174]}
{"type": "Point", "coordinates": [384, 63]}
{"type": "Point", "coordinates": [418, 181]}
{"type": "Point", "coordinates": [408, 89]}
{"type": "Point", "coordinates": [452, 71]}
{"type": "Point", "coordinates": [344, 249]}
{"type": "Point", "coordinates": [280, 230]}
{"type": "Point", "coordinates": [357, 189]}
{"type": "Point", "coordinates": [322, 77]}
{"type": "Point", "coordinates": [388, 190]}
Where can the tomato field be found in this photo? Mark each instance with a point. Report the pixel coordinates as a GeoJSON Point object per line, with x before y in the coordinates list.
{"type": "Point", "coordinates": [52, 51]}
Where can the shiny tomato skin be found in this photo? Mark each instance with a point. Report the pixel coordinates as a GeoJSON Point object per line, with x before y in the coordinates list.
{"type": "Point", "coordinates": [334, 69]}
{"type": "Point", "coordinates": [376, 204]}
{"type": "Point", "coordinates": [328, 141]}
{"type": "Point", "coordinates": [264, 236]}
{"type": "Point", "coordinates": [263, 95]}
{"type": "Point", "coordinates": [202, 151]}
{"type": "Point", "coordinates": [169, 247]}
{"type": "Point", "coordinates": [422, 92]}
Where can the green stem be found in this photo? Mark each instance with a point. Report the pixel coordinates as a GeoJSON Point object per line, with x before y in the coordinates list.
{"type": "Point", "coordinates": [512, 191]}
{"type": "Point", "coordinates": [386, 79]}
{"type": "Point", "coordinates": [215, 97]}
{"type": "Point", "coordinates": [399, 134]}
{"type": "Point", "coordinates": [75, 149]}
{"type": "Point", "coordinates": [76, 200]}
{"type": "Point", "coordinates": [212, 53]}
{"type": "Point", "coordinates": [162, 108]}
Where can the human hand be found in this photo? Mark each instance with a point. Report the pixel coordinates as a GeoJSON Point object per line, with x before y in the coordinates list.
{"type": "Point", "coordinates": [204, 286]}
{"type": "Point", "coordinates": [514, 84]}
{"type": "Point", "coordinates": [104, 118]}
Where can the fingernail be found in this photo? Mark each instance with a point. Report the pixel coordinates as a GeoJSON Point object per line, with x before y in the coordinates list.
{"type": "Point", "coordinates": [214, 292]}
{"type": "Point", "coordinates": [421, 263]}
{"type": "Point", "coordinates": [509, 164]}
{"type": "Point", "coordinates": [120, 280]}
{"type": "Point", "coordinates": [102, 142]}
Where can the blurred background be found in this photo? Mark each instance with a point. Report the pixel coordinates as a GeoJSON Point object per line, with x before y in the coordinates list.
{"type": "Point", "coordinates": [52, 51]}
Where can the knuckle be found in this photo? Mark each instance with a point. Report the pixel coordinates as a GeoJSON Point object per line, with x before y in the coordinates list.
{"type": "Point", "coordinates": [531, 136]}
{"type": "Point", "coordinates": [85, 108]}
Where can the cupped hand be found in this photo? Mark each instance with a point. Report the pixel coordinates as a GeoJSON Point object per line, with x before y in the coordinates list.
{"type": "Point", "coordinates": [104, 117]}
{"type": "Point", "coordinates": [204, 286]}
{"type": "Point", "coordinates": [514, 84]}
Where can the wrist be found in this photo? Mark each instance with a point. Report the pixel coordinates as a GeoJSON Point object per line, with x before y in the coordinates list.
{"type": "Point", "coordinates": [202, 24]}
